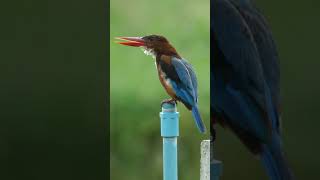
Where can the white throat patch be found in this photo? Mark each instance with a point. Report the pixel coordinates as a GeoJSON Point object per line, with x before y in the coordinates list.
{"type": "Point", "coordinates": [149, 52]}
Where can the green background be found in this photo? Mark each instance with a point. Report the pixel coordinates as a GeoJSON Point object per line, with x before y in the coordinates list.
{"type": "Point", "coordinates": [54, 90]}
{"type": "Point", "coordinates": [136, 93]}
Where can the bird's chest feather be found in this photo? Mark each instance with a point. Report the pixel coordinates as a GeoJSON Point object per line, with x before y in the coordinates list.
{"type": "Point", "coordinates": [165, 78]}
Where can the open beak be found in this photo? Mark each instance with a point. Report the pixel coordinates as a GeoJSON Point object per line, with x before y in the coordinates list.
{"type": "Point", "coordinates": [131, 41]}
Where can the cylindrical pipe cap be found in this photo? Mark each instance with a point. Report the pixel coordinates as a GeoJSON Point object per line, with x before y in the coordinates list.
{"type": "Point", "coordinates": [169, 120]}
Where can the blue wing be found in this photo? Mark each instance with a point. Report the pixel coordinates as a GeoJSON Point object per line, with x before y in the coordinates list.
{"type": "Point", "coordinates": [246, 95]}
{"type": "Point", "coordinates": [193, 77]}
{"type": "Point", "coordinates": [245, 81]}
{"type": "Point", "coordinates": [266, 47]}
{"type": "Point", "coordinates": [185, 90]}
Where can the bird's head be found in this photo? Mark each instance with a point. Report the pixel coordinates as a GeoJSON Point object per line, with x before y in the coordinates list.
{"type": "Point", "coordinates": [153, 45]}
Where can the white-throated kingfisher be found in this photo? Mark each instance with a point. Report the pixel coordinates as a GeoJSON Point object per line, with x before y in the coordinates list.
{"type": "Point", "coordinates": [245, 82]}
{"type": "Point", "coordinates": [175, 73]}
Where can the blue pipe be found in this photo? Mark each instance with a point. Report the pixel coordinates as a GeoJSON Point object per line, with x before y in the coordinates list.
{"type": "Point", "coordinates": [215, 170]}
{"type": "Point", "coordinates": [215, 165]}
{"type": "Point", "coordinates": [169, 118]}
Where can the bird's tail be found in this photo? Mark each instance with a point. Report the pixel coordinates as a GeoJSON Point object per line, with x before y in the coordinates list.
{"type": "Point", "coordinates": [275, 162]}
{"type": "Point", "coordinates": [198, 120]}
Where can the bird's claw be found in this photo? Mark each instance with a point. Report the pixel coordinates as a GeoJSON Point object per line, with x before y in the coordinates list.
{"type": "Point", "coordinates": [171, 101]}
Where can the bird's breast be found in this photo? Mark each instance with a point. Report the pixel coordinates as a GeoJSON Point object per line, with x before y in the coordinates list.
{"type": "Point", "coordinates": [165, 81]}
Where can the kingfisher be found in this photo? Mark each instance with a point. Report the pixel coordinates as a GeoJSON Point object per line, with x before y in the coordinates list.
{"type": "Point", "coordinates": [176, 74]}
{"type": "Point", "coordinates": [245, 76]}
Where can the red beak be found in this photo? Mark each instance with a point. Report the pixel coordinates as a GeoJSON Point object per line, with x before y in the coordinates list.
{"type": "Point", "coordinates": [131, 41]}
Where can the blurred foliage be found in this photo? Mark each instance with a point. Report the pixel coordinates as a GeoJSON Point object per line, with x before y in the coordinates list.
{"type": "Point", "coordinates": [136, 93]}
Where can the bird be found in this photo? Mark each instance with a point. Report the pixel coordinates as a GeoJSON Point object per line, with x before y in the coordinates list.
{"type": "Point", "coordinates": [176, 74]}
{"type": "Point", "coordinates": [245, 82]}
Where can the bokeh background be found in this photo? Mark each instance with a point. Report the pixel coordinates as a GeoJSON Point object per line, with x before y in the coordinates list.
{"type": "Point", "coordinates": [295, 26]}
{"type": "Point", "coordinates": [136, 93]}
{"type": "Point", "coordinates": [54, 90]}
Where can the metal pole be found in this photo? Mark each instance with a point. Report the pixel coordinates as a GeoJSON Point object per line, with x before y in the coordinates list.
{"type": "Point", "coordinates": [170, 131]}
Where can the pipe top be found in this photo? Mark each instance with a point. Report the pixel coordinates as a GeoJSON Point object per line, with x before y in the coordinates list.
{"type": "Point", "coordinates": [169, 107]}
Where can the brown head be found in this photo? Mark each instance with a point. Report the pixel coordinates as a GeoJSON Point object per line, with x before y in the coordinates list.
{"type": "Point", "coordinates": [153, 44]}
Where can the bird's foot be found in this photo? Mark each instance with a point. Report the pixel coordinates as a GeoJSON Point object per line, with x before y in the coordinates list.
{"type": "Point", "coordinates": [171, 101]}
